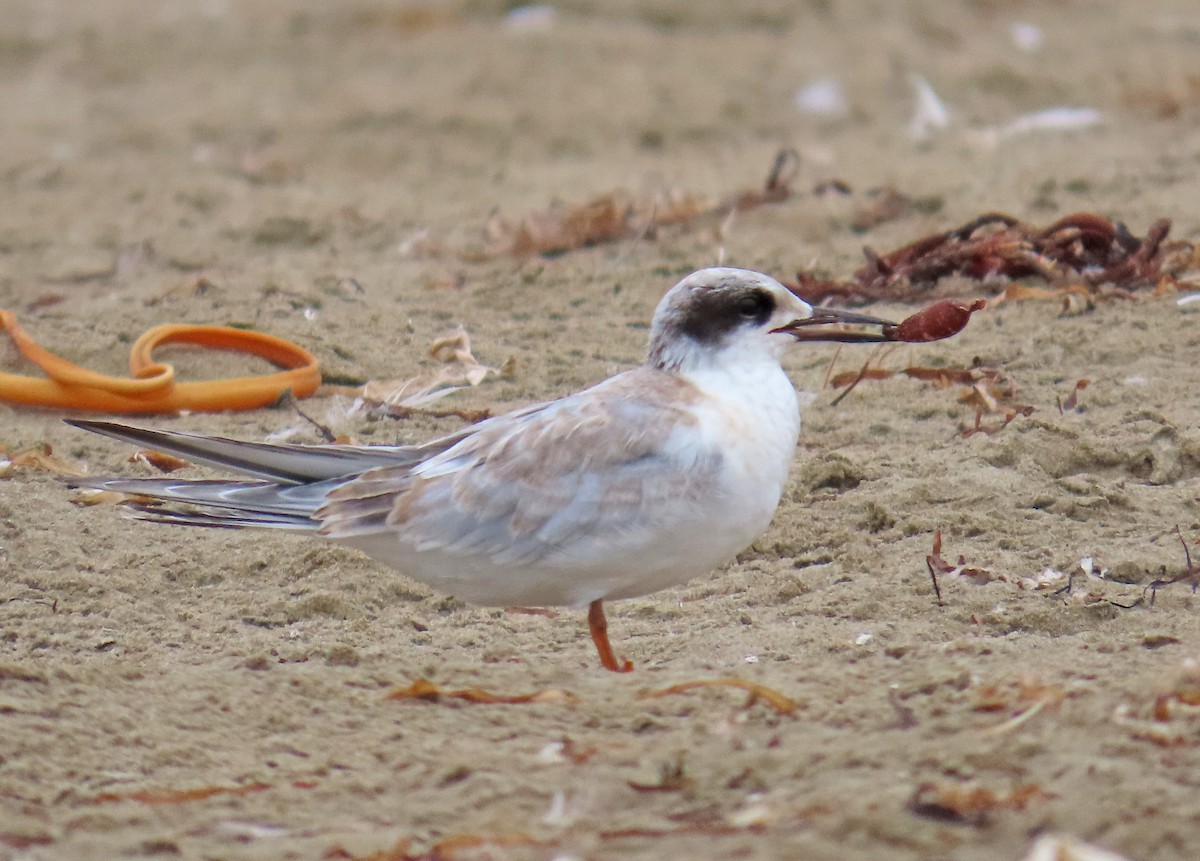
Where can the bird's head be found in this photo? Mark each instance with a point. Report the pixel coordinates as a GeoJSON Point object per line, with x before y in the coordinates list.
{"type": "Point", "coordinates": [724, 313]}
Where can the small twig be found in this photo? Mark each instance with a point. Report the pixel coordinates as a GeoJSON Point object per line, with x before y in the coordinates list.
{"type": "Point", "coordinates": [290, 400]}
{"type": "Point", "coordinates": [829, 369]}
{"type": "Point", "coordinates": [937, 590]}
{"type": "Point", "coordinates": [1187, 554]}
{"type": "Point", "coordinates": [786, 160]}
{"type": "Point", "coordinates": [935, 559]}
{"type": "Point", "coordinates": [861, 376]}
{"type": "Point", "coordinates": [1016, 721]}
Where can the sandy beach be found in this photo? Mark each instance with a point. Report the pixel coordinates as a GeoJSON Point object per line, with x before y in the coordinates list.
{"type": "Point", "coordinates": [347, 175]}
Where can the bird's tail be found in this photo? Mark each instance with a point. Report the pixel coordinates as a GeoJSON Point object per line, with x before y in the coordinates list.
{"type": "Point", "coordinates": [224, 504]}
{"type": "Point", "coordinates": [290, 485]}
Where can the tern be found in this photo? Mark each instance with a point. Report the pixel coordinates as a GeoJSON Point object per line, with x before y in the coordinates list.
{"type": "Point", "coordinates": [642, 482]}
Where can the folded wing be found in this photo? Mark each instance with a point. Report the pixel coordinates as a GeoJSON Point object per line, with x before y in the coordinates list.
{"type": "Point", "coordinates": [615, 461]}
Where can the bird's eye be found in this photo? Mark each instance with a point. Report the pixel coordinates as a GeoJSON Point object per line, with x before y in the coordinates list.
{"type": "Point", "coordinates": [754, 306]}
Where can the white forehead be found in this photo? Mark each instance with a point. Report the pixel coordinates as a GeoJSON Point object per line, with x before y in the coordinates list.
{"type": "Point", "coordinates": [721, 277]}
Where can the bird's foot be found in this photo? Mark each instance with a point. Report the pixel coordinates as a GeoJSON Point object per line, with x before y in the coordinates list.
{"type": "Point", "coordinates": [598, 625]}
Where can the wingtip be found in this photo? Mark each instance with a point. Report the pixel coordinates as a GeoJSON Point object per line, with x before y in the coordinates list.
{"type": "Point", "coordinates": [116, 430]}
{"type": "Point", "coordinates": [129, 434]}
{"type": "Point", "coordinates": [93, 425]}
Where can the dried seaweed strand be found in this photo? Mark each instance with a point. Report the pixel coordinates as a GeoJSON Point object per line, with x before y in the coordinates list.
{"type": "Point", "coordinates": [613, 217]}
{"type": "Point", "coordinates": [179, 796]}
{"type": "Point", "coordinates": [423, 689]}
{"type": "Point", "coordinates": [779, 702]}
{"type": "Point", "coordinates": [1083, 251]}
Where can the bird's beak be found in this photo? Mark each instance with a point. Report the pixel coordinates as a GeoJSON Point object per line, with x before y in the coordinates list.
{"type": "Point", "coordinates": [801, 329]}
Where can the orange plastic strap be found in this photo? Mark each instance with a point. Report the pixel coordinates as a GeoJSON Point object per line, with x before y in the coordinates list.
{"type": "Point", "coordinates": [152, 388]}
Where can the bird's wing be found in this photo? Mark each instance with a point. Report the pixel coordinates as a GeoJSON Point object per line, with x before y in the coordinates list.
{"type": "Point", "coordinates": [621, 457]}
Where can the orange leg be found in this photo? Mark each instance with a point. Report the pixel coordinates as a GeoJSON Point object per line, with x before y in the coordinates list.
{"type": "Point", "coordinates": [598, 625]}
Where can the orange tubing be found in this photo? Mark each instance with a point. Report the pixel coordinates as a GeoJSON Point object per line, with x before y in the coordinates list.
{"type": "Point", "coordinates": [152, 387]}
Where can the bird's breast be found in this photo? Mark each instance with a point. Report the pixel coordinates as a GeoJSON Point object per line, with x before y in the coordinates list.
{"type": "Point", "coordinates": [753, 420]}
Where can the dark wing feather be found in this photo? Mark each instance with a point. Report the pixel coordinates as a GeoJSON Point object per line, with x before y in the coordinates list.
{"type": "Point", "coordinates": [286, 463]}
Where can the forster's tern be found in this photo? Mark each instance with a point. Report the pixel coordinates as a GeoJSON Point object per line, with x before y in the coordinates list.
{"type": "Point", "coordinates": [641, 482]}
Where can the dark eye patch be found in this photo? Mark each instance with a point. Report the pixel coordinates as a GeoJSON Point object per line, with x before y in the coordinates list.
{"type": "Point", "coordinates": [712, 313]}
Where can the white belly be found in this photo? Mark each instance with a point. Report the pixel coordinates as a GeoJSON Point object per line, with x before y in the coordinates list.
{"type": "Point", "coordinates": [644, 561]}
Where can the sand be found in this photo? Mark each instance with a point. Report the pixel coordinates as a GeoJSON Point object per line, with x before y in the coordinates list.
{"type": "Point", "coordinates": [209, 694]}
